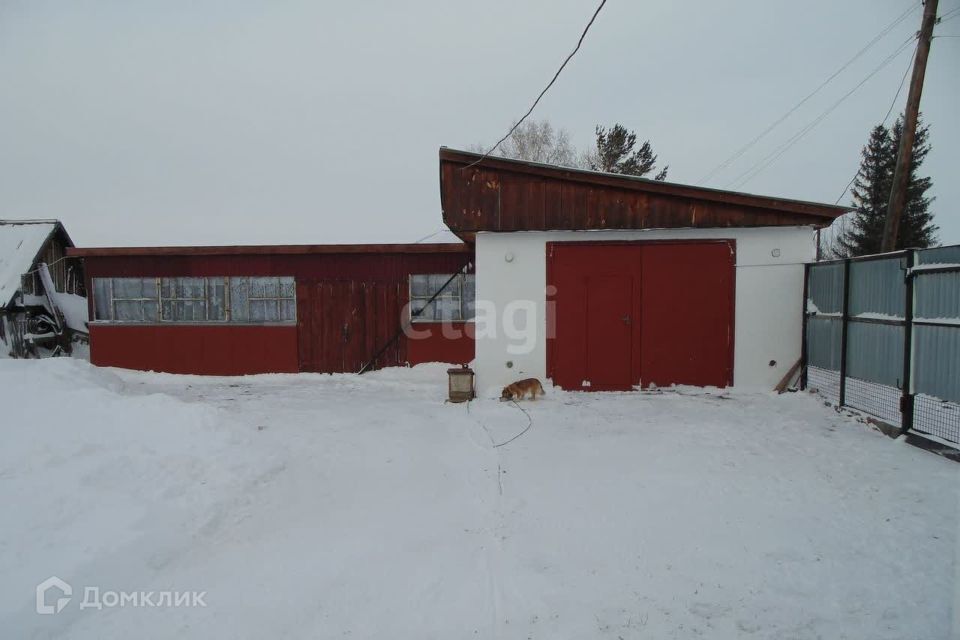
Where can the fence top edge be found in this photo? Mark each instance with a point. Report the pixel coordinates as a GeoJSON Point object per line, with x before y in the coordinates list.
{"type": "Point", "coordinates": [882, 256]}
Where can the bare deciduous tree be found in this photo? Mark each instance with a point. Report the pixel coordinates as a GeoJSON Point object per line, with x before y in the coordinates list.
{"type": "Point", "coordinates": [615, 150]}
{"type": "Point", "coordinates": [538, 141]}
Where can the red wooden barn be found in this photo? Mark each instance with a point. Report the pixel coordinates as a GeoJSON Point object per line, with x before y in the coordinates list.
{"type": "Point", "coordinates": [258, 309]}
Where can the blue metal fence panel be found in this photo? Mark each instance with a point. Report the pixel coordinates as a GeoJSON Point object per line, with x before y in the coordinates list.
{"type": "Point", "coordinates": [875, 352]}
{"type": "Point", "coordinates": [936, 296]}
{"type": "Point", "coordinates": [878, 287]}
{"type": "Point", "coordinates": [875, 331]}
{"type": "Point", "coordinates": [823, 342]}
{"type": "Point", "coordinates": [938, 255]}
{"type": "Point", "coordinates": [825, 288]}
{"type": "Point", "coordinates": [936, 361]}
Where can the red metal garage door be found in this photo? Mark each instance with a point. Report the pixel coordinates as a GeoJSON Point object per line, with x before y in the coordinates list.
{"type": "Point", "coordinates": [627, 314]}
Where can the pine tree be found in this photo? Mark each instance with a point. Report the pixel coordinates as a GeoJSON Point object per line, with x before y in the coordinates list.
{"type": "Point", "coordinates": [916, 225]}
{"type": "Point", "coordinates": [615, 153]}
{"type": "Point", "coordinates": [871, 193]}
{"type": "Point", "coordinates": [871, 190]}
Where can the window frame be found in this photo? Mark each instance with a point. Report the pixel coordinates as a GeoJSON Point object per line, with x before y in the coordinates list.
{"type": "Point", "coordinates": [277, 299]}
{"type": "Point", "coordinates": [205, 299]}
{"type": "Point", "coordinates": [460, 284]}
{"type": "Point", "coordinates": [114, 299]}
{"type": "Point", "coordinates": [227, 319]}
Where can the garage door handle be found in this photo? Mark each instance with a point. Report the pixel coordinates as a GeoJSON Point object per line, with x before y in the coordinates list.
{"type": "Point", "coordinates": [626, 320]}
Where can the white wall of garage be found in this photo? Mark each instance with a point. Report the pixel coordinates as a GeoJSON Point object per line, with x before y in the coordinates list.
{"type": "Point", "coordinates": [511, 282]}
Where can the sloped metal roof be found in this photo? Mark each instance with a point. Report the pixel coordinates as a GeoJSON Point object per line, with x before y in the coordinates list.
{"type": "Point", "coordinates": [498, 194]}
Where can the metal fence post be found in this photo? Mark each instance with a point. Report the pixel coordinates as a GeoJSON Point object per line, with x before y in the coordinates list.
{"type": "Point", "coordinates": [906, 398]}
{"type": "Point", "coordinates": [843, 333]}
{"type": "Point", "coordinates": [803, 340]}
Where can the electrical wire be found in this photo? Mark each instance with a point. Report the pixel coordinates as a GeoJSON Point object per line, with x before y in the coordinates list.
{"type": "Point", "coordinates": [430, 235]}
{"type": "Point", "coordinates": [726, 163]}
{"type": "Point", "coordinates": [903, 81]}
{"type": "Point", "coordinates": [49, 264]}
{"type": "Point", "coordinates": [949, 15]}
{"type": "Point", "coordinates": [550, 84]}
{"type": "Point", "coordinates": [778, 152]}
{"type": "Point", "coordinates": [529, 424]}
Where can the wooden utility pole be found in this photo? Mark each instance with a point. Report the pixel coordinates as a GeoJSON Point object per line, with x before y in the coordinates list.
{"type": "Point", "coordinates": [901, 174]}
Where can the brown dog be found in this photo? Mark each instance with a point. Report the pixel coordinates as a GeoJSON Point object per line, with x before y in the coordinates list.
{"type": "Point", "coordinates": [519, 390]}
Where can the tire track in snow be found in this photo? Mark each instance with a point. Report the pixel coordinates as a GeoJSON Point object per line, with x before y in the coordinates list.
{"type": "Point", "coordinates": [494, 548]}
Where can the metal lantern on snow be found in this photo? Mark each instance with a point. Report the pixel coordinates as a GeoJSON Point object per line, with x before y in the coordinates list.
{"type": "Point", "coordinates": [461, 384]}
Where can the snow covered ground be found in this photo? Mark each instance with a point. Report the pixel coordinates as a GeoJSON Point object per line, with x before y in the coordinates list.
{"type": "Point", "coordinates": [310, 506]}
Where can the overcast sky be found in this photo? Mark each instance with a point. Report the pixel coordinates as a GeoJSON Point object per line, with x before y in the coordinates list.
{"type": "Point", "coordinates": [222, 122]}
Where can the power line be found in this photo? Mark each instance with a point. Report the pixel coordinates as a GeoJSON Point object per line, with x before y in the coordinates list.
{"type": "Point", "coordinates": [903, 81]}
{"type": "Point", "coordinates": [726, 163]}
{"type": "Point", "coordinates": [547, 88]}
{"type": "Point", "coordinates": [778, 152]}
{"type": "Point", "coordinates": [430, 235]}
{"type": "Point", "coordinates": [949, 15]}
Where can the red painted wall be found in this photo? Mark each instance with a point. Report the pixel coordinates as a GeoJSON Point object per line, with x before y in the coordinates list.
{"type": "Point", "coordinates": [439, 348]}
{"type": "Point", "coordinates": [241, 349]}
{"type": "Point", "coordinates": [222, 350]}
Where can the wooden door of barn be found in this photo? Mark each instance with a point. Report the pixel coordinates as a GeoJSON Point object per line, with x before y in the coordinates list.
{"type": "Point", "coordinates": [640, 313]}
{"type": "Point", "coordinates": [342, 323]}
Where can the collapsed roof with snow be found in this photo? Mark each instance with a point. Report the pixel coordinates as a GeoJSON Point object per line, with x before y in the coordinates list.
{"type": "Point", "coordinates": [22, 245]}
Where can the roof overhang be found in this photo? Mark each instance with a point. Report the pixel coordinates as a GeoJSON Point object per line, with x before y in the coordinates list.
{"type": "Point", "coordinates": [500, 194]}
{"type": "Point", "coordinates": [294, 249]}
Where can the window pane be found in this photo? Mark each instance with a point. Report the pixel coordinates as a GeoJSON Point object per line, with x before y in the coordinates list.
{"type": "Point", "coordinates": [150, 310]}
{"type": "Point", "coordinates": [128, 311]}
{"type": "Point", "coordinates": [192, 288]}
{"type": "Point", "coordinates": [420, 286]}
{"type": "Point", "coordinates": [288, 287]}
{"type": "Point", "coordinates": [239, 293]}
{"type": "Point", "coordinates": [438, 280]}
{"type": "Point", "coordinates": [447, 305]}
{"type": "Point", "coordinates": [184, 299]}
{"type": "Point", "coordinates": [134, 288]}
{"type": "Point", "coordinates": [126, 287]}
{"type": "Point", "coordinates": [189, 311]}
{"type": "Point", "coordinates": [264, 287]}
{"type": "Point", "coordinates": [101, 299]}
{"type": "Point", "coordinates": [447, 308]}
{"type": "Point", "coordinates": [424, 286]}
{"type": "Point", "coordinates": [258, 299]}
{"type": "Point", "coordinates": [168, 288]}
{"type": "Point", "coordinates": [429, 312]}
{"type": "Point", "coordinates": [469, 296]}
{"type": "Point", "coordinates": [216, 294]}
{"type": "Point", "coordinates": [288, 310]}
{"type": "Point", "coordinates": [263, 311]}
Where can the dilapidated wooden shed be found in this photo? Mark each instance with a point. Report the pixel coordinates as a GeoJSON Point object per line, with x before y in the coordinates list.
{"type": "Point", "coordinates": [42, 304]}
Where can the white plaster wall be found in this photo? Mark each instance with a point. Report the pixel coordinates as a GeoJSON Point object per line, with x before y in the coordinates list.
{"type": "Point", "coordinates": [768, 299]}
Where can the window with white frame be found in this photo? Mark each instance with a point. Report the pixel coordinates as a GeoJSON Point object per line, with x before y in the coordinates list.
{"type": "Point", "coordinates": [259, 300]}
{"type": "Point", "coordinates": [192, 300]}
{"type": "Point", "coordinates": [453, 303]}
{"type": "Point", "coordinates": [241, 300]}
{"type": "Point", "coordinates": [126, 299]}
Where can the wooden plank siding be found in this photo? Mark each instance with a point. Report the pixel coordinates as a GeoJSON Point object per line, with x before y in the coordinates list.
{"type": "Point", "coordinates": [349, 304]}
{"type": "Point", "coordinates": [509, 195]}
{"type": "Point", "coordinates": [66, 272]}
